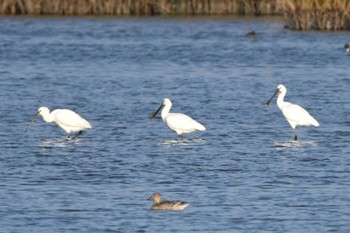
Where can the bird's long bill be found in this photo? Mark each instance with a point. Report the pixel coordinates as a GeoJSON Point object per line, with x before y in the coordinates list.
{"type": "Point", "coordinates": [30, 124]}
{"type": "Point", "coordinates": [268, 102]}
{"type": "Point", "coordinates": [156, 112]}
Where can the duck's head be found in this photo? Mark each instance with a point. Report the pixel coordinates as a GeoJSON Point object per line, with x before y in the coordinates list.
{"type": "Point", "coordinates": [155, 197]}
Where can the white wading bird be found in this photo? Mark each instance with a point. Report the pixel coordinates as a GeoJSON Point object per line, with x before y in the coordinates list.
{"type": "Point", "coordinates": [178, 122]}
{"type": "Point", "coordinates": [294, 114]}
{"type": "Point", "coordinates": [68, 120]}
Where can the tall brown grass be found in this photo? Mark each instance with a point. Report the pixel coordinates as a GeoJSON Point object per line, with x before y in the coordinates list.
{"type": "Point", "coordinates": [317, 14]}
{"type": "Point", "coordinates": [141, 7]}
{"type": "Point", "coordinates": [298, 14]}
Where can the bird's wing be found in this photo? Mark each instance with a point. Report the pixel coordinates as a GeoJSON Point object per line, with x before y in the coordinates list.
{"type": "Point", "coordinates": [299, 115]}
{"type": "Point", "coordinates": [70, 119]}
{"type": "Point", "coordinates": [177, 205]}
{"type": "Point", "coordinates": [182, 121]}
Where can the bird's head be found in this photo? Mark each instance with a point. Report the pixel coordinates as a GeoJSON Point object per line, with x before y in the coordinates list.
{"type": "Point", "coordinates": [279, 90]}
{"type": "Point", "coordinates": [43, 111]}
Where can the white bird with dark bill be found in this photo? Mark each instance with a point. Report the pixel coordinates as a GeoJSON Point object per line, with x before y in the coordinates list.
{"type": "Point", "coordinates": [178, 122]}
{"type": "Point", "coordinates": [68, 120]}
{"type": "Point", "coordinates": [294, 114]}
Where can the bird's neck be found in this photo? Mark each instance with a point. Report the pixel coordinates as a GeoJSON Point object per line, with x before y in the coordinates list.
{"type": "Point", "coordinates": [165, 111]}
{"type": "Point", "coordinates": [47, 117]}
{"type": "Point", "coordinates": [157, 201]}
{"type": "Point", "coordinates": [280, 100]}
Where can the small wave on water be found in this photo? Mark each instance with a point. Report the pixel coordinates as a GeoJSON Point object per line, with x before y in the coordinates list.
{"type": "Point", "coordinates": [294, 144]}
{"type": "Point", "coordinates": [182, 141]}
{"type": "Point", "coordinates": [60, 142]}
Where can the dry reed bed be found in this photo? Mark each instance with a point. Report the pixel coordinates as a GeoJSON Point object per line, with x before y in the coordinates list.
{"type": "Point", "coordinates": [298, 14]}
{"type": "Point", "coordinates": [140, 7]}
{"type": "Point", "coordinates": [317, 14]}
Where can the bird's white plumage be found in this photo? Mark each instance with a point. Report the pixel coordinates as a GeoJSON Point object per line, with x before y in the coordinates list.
{"type": "Point", "coordinates": [294, 114]}
{"type": "Point", "coordinates": [180, 123]}
{"type": "Point", "coordinates": [66, 119]}
{"type": "Point", "coordinates": [70, 121]}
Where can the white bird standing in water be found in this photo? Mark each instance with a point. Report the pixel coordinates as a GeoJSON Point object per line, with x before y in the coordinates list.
{"type": "Point", "coordinates": [68, 120]}
{"type": "Point", "coordinates": [294, 114]}
{"type": "Point", "coordinates": [178, 122]}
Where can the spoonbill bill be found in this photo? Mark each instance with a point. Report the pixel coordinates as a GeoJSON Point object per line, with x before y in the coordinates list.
{"type": "Point", "coordinates": [294, 114]}
{"type": "Point", "coordinates": [68, 120]}
{"type": "Point", "coordinates": [166, 205]}
{"type": "Point", "coordinates": [178, 122]}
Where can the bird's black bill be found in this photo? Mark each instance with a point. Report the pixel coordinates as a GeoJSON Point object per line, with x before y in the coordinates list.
{"type": "Point", "coordinates": [30, 124]}
{"type": "Point", "coordinates": [156, 112]}
{"type": "Point", "coordinates": [268, 102]}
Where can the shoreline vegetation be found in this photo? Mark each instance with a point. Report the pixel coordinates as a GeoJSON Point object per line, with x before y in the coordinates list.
{"type": "Point", "coordinates": [317, 14]}
{"type": "Point", "coordinates": [141, 7]}
{"type": "Point", "coordinates": [297, 14]}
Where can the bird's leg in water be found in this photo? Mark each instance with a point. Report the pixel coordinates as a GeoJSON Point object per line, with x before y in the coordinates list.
{"type": "Point", "coordinates": [181, 137]}
{"type": "Point", "coordinates": [295, 134]}
{"type": "Point", "coordinates": [68, 137]}
{"type": "Point", "coordinates": [78, 134]}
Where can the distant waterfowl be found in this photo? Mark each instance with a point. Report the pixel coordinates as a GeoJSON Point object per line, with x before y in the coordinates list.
{"type": "Point", "coordinates": [180, 123]}
{"type": "Point", "coordinates": [347, 47]}
{"type": "Point", "coordinates": [68, 120]}
{"type": "Point", "coordinates": [251, 34]}
{"type": "Point", "coordinates": [294, 114]}
{"type": "Point", "coordinates": [166, 205]}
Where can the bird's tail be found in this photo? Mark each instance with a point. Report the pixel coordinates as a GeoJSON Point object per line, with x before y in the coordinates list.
{"type": "Point", "coordinates": [314, 122]}
{"type": "Point", "coordinates": [87, 124]}
{"type": "Point", "coordinates": [200, 127]}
